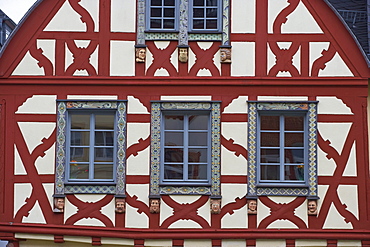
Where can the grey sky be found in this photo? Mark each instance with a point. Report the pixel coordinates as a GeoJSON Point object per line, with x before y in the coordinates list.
{"type": "Point", "coordinates": [16, 9]}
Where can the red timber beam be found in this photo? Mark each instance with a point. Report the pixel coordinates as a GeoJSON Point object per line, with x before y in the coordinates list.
{"type": "Point", "coordinates": [215, 234]}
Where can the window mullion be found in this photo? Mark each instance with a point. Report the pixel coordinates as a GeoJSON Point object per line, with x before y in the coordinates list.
{"type": "Point", "coordinates": [186, 148]}
{"type": "Point", "coordinates": [92, 147]}
{"type": "Point", "coordinates": [282, 148]}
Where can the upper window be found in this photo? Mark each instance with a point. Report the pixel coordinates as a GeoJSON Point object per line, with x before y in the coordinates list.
{"type": "Point", "coordinates": [185, 148]}
{"type": "Point", "coordinates": [282, 148]}
{"type": "Point", "coordinates": [91, 147]}
{"type": "Point", "coordinates": [205, 15]}
{"type": "Point", "coordinates": [165, 15]}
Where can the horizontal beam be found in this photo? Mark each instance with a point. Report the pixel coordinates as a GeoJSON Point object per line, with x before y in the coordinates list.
{"type": "Point", "coordinates": [129, 233]}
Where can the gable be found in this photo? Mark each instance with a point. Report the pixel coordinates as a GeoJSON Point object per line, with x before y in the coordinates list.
{"type": "Point", "coordinates": [279, 38]}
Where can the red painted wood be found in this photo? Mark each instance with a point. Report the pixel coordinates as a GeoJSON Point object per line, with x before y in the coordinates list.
{"type": "Point", "coordinates": [96, 241]}
{"type": "Point", "coordinates": [332, 243]}
{"type": "Point", "coordinates": [177, 242]}
{"type": "Point", "coordinates": [234, 179]}
{"type": "Point", "coordinates": [261, 38]}
{"type": "Point", "coordinates": [137, 179]}
{"type": "Point", "coordinates": [365, 243]}
{"type": "Point", "coordinates": [216, 242]}
{"type": "Point", "coordinates": [2, 163]}
{"type": "Point", "coordinates": [290, 242]}
{"type": "Point", "coordinates": [187, 233]}
{"type": "Point", "coordinates": [139, 242]}
{"type": "Point", "coordinates": [58, 239]}
{"type": "Point", "coordinates": [228, 117]}
{"type": "Point", "coordinates": [251, 243]}
{"type": "Point", "coordinates": [104, 37]}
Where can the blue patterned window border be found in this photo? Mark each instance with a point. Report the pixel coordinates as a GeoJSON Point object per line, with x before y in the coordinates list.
{"type": "Point", "coordinates": [62, 107]}
{"type": "Point", "coordinates": [183, 36]}
{"type": "Point", "coordinates": [214, 189]}
{"type": "Point", "coordinates": [254, 190]}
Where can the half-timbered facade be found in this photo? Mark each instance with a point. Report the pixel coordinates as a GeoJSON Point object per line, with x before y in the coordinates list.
{"type": "Point", "coordinates": [183, 123]}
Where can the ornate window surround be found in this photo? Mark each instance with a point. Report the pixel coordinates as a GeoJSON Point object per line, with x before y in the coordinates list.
{"type": "Point", "coordinates": [61, 187]}
{"type": "Point", "coordinates": [214, 190]}
{"type": "Point", "coordinates": [254, 189]}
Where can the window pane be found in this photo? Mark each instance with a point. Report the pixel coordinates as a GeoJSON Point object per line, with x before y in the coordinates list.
{"type": "Point", "coordinates": [79, 138]}
{"type": "Point", "coordinates": [198, 155]}
{"type": "Point", "coordinates": [80, 121]}
{"type": "Point", "coordinates": [156, 12]}
{"type": "Point", "coordinates": [212, 2]}
{"type": "Point", "coordinates": [173, 122]}
{"type": "Point", "coordinates": [198, 24]}
{"type": "Point", "coordinates": [270, 155]}
{"type": "Point", "coordinates": [103, 171]}
{"type": "Point", "coordinates": [270, 139]}
{"type": "Point", "coordinates": [294, 172]}
{"type": "Point", "coordinates": [293, 140]}
{"type": "Point", "coordinates": [79, 154]}
{"type": "Point", "coordinates": [211, 13]}
{"type": "Point", "coordinates": [198, 2]}
{"type": "Point", "coordinates": [198, 122]}
{"type": "Point", "coordinates": [294, 123]}
{"type": "Point", "coordinates": [294, 156]}
{"type": "Point", "coordinates": [173, 155]}
{"type": "Point", "coordinates": [197, 172]}
{"type": "Point", "coordinates": [198, 139]}
{"type": "Point", "coordinates": [104, 138]}
{"type": "Point", "coordinates": [169, 2]}
{"type": "Point", "coordinates": [104, 154]}
{"type": "Point", "coordinates": [174, 139]}
{"type": "Point", "coordinates": [169, 24]}
{"type": "Point", "coordinates": [270, 172]}
{"type": "Point", "coordinates": [104, 122]}
{"type": "Point", "coordinates": [198, 12]}
{"type": "Point", "coordinates": [154, 23]}
{"type": "Point", "coordinates": [270, 123]}
{"type": "Point", "coordinates": [211, 24]}
{"type": "Point", "coordinates": [173, 171]}
{"type": "Point", "coordinates": [79, 171]}
{"type": "Point", "coordinates": [156, 2]}
{"type": "Point", "coordinates": [170, 12]}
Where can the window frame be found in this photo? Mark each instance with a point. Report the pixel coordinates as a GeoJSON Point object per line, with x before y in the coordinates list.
{"type": "Point", "coordinates": [186, 147]}
{"type": "Point", "coordinates": [218, 18]}
{"type": "Point", "coordinates": [91, 147]}
{"type": "Point", "coordinates": [307, 188]}
{"type": "Point", "coordinates": [157, 187]}
{"type": "Point", "coordinates": [148, 18]}
{"type": "Point", "coordinates": [62, 183]}
{"type": "Point", "coordinates": [282, 148]}
{"type": "Point", "coordinates": [188, 18]}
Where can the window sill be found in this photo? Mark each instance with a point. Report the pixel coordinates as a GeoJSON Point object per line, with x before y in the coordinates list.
{"type": "Point", "coordinates": [281, 185]}
{"type": "Point", "coordinates": [73, 188]}
{"type": "Point", "coordinates": [161, 31]}
{"type": "Point", "coordinates": [185, 190]}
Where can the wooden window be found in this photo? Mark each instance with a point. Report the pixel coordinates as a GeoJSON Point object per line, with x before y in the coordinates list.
{"type": "Point", "coordinates": [91, 146]}
{"type": "Point", "coordinates": [205, 15]}
{"type": "Point", "coordinates": [186, 152]}
{"type": "Point", "coordinates": [162, 15]}
{"type": "Point", "coordinates": [282, 147]}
